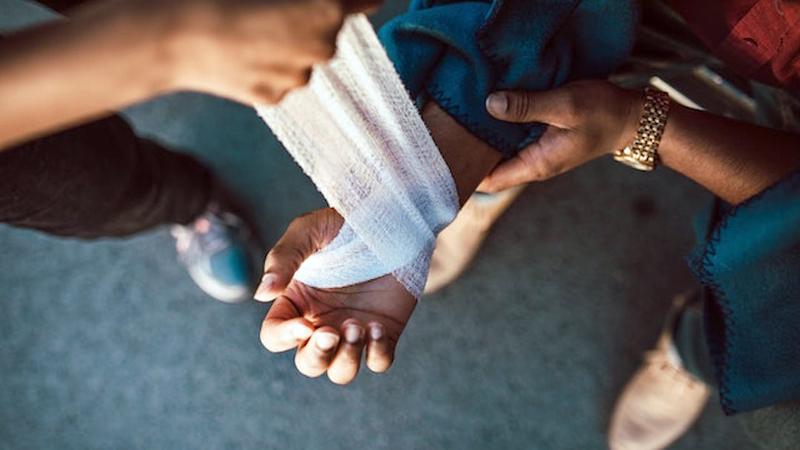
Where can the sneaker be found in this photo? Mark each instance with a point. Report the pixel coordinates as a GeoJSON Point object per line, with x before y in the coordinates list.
{"type": "Point", "coordinates": [457, 244]}
{"type": "Point", "coordinates": [661, 401]}
{"type": "Point", "coordinates": [215, 251]}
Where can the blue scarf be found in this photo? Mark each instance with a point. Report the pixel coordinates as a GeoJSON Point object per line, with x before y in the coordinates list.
{"type": "Point", "coordinates": [749, 263]}
{"type": "Point", "coordinates": [457, 52]}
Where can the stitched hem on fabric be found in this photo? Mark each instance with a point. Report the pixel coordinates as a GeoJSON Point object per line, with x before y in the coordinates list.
{"type": "Point", "coordinates": [703, 269]}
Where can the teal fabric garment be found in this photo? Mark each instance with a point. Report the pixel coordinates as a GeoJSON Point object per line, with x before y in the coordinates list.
{"type": "Point", "coordinates": [750, 265]}
{"type": "Point", "coordinates": [457, 52]}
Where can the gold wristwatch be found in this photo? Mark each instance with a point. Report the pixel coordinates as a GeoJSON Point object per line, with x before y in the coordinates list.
{"type": "Point", "coordinates": [642, 153]}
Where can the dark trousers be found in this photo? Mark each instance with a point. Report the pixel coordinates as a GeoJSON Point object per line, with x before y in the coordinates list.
{"type": "Point", "coordinates": [99, 179]}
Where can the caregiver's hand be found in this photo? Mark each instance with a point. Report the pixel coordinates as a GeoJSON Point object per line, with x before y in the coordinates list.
{"type": "Point", "coordinates": [113, 53]}
{"type": "Point", "coordinates": [330, 328]}
{"type": "Point", "coordinates": [254, 51]}
{"type": "Point", "coordinates": [584, 119]}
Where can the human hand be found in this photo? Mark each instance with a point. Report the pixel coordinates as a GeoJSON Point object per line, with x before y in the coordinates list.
{"type": "Point", "coordinates": [585, 119]}
{"type": "Point", "coordinates": [252, 51]}
{"type": "Point", "coordinates": [329, 327]}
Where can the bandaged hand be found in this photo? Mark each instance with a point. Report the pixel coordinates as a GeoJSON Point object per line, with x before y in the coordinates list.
{"type": "Point", "coordinates": [329, 328]}
{"type": "Point", "coordinates": [397, 176]}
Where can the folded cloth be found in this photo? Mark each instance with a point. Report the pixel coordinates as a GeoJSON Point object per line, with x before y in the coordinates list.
{"type": "Point", "coordinates": [457, 52]}
{"type": "Point", "coordinates": [750, 264]}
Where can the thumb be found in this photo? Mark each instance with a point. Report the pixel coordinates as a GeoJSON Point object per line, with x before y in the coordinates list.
{"type": "Point", "coordinates": [507, 174]}
{"type": "Point", "coordinates": [553, 154]}
{"type": "Point", "coordinates": [284, 327]}
{"type": "Point", "coordinates": [550, 107]}
{"type": "Point", "coordinates": [305, 236]}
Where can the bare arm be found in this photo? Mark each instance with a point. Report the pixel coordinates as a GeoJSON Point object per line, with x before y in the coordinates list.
{"type": "Point", "coordinates": [468, 158]}
{"type": "Point", "coordinates": [65, 72]}
{"type": "Point", "coordinates": [732, 159]}
{"type": "Point", "coordinates": [112, 53]}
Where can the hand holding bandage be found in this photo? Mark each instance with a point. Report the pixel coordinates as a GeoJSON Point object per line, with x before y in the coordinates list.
{"type": "Point", "coordinates": [329, 327]}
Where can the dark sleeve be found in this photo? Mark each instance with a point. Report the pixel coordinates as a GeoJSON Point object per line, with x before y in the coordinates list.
{"type": "Point", "coordinates": [457, 52]}
{"type": "Point", "coordinates": [750, 265]}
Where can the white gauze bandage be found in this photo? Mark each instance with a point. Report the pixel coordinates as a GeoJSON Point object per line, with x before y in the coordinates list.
{"type": "Point", "coordinates": [357, 134]}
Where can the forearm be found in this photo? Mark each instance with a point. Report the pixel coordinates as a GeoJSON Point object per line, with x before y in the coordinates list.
{"type": "Point", "coordinates": [732, 159]}
{"type": "Point", "coordinates": [468, 158]}
{"type": "Point", "coordinates": [62, 73]}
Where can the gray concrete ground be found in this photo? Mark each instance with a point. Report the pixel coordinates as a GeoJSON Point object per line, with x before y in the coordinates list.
{"type": "Point", "coordinates": [109, 344]}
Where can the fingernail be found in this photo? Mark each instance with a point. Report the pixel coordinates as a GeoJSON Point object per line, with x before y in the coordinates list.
{"type": "Point", "coordinates": [353, 334]}
{"type": "Point", "coordinates": [497, 103]}
{"type": "Point", "coordinates": [300, 331]}
{"type": "Point", "coordinates": [326, 341]}
{"type": "Point", "coordinates": [264, 292]}
{"type": "Point", "coordinates": [376, 332]}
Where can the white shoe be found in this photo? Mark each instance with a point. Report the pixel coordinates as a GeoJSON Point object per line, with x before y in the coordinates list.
{"type": "Point", "coordinates": [457, 244]}
{"type": "Point", "coordinates": [214, 250]}
{"type": "Point", "coordinates": [662, 400]}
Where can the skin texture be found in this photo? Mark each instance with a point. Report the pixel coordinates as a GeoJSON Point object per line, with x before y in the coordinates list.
{"type": "Point", "coordinates": [329, 327]}
{"type": "Point", "coordinates": [588, 119]}
{"type": "Point", "coordinates": [303, 317]}
{"type": "Point", "coordinates": [112, 53]}
{"type": "Point", "coordinates": [585, 120]}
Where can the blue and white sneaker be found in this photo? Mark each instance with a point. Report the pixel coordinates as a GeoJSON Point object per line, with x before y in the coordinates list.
{"type": "Point", "coordinates": [214, 249]}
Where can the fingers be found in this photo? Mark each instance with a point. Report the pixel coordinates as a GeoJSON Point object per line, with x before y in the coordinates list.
{"type": "Point", "coordinates": [347, 361]}
{"type": "Point", "coordinates": [555, 107]}
{"type": "Point", "coordinates": [283, 329]}
{"type": "Point", "coordinates": [508, 174]}
{"type": "Point", "coordinates": [311, 53]}
{"type": "Point", "coordinates": [267, 94]}
{"type": "Point", "coordinates": [327, 350]}
{"type": "Point", "coordinates": [320, 354]}
{"type": "Point", "coordinates": [281, 81]}
{"type": "Point", "coordinates": [305, 236]}
{"type": "Point", "coordinates": [556, 152]}
{"type": "Point", "coordinates": [284, 78]}
{"type": "Point", "coordinates": [314, 358]}
{"type": "Point", "coordinates": [380, 350]}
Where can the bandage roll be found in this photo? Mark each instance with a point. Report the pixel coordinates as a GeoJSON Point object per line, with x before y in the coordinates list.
{"type": "Point", "coordinates": [358, 136]}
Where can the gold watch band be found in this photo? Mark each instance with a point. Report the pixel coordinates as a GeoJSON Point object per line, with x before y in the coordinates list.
{"type": "Point", "coordinates": [642, 153]}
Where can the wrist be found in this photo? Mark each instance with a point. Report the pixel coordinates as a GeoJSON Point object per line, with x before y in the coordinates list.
{"type": "Point", "coordinates": [140, 33]}
{"type": "Point", "coordinates": [627, 114]}
{"type": "Point", "coordinates": [185, 30]}
{"type": "Point", "coordinates": [468, 158]}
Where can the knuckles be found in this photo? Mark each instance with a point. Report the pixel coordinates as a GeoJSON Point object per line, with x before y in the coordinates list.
{"type": "Point", "coordinates": [520, 106]}
{"type": "Point", "coordinates": [585, 98]}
